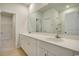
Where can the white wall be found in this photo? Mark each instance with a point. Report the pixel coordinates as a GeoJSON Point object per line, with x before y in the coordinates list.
{"type": "Point", "coordinates": [21, 16]}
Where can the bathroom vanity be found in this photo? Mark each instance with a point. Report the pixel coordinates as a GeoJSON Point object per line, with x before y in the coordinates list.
{"type": "Point", "coordinates": [47, 45]}
{"type": "Point", "coordinates": [54, 19]}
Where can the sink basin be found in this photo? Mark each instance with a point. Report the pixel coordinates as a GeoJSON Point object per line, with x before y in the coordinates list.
{"type": "Point", "coordinates": [55, 39]}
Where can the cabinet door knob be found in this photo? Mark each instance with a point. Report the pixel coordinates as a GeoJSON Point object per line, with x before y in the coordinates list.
{"type": "Point", "coordinates": [45, 54]}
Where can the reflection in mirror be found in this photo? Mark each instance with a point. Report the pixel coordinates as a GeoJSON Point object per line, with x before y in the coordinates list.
{"type": "Point", "coordinates": [38, 25]}
{"type": "Point", "coordinates": [71, 22]}
{"type": "Point", "coordinates": [61, 18]}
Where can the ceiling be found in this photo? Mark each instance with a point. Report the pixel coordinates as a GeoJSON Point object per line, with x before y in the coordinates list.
{"type": "Point", "coordinates": [59, 6]}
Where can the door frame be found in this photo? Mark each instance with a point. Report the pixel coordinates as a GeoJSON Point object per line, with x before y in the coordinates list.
{"type": "Point", "coordinates": [13, 22]}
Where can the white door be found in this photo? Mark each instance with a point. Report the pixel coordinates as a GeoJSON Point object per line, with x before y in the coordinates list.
{"type": "Point", "coordinates": [7, 30]}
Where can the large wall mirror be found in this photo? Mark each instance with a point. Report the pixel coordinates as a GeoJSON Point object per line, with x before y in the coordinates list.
{"type": "Point", "coordinates": [62, 18]}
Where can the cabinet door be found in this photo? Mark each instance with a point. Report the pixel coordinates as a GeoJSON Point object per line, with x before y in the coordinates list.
{"type": "Point", "coordinates": [42, 52]}
{"type": "Point", "coordinates": [55, 50]}
{"type": "Point", "coordinates": [22, 41]}
{"type": "Point", "coordinates": [31, 46]}
{"type": "Point", "coordinates": [28, 44]}
{"type": "Point", "coordinates": [76, 53]}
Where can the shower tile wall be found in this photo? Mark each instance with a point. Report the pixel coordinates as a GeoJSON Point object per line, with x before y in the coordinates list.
{"type": "Point", "coordinates": [49, 20]}
{"type": "Point", "coordinates": [32, 21]}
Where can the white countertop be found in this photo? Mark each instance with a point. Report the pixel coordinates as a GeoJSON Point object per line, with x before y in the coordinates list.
{"type": "Point", "coordinates": [63, 42]}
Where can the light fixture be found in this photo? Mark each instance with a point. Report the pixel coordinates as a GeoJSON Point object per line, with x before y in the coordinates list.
{"type": "Point", "coordinates": [67, 6]}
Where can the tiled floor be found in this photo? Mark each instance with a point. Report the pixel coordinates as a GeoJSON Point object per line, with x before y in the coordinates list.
{"type": "Point", "coordinates": [14, 52]}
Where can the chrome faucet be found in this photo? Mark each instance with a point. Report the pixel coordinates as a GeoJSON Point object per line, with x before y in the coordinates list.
{"type": "Point", "coordinates": [57, 35]}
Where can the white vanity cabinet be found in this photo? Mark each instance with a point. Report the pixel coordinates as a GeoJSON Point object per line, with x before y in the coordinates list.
{"type": "Point", "coordinates": [29, 45]}
{"type": "Point", "coordinates": [53, 50]}
{"type": "Point", "coordinates": [37, 47]}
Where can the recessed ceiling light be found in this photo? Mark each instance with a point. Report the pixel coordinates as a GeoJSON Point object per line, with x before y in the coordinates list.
{"type": "Point", "coordinates": [67, 6]}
